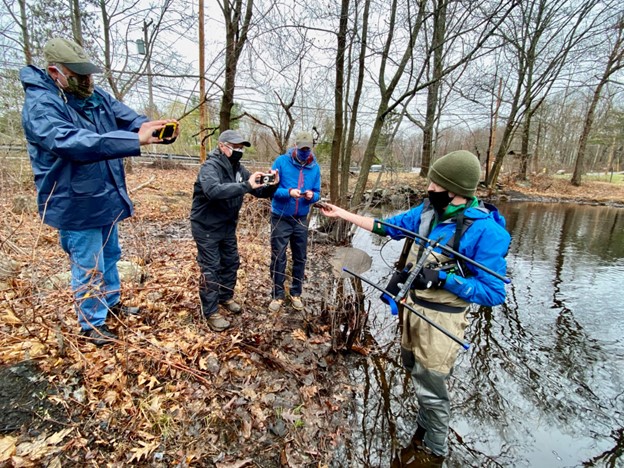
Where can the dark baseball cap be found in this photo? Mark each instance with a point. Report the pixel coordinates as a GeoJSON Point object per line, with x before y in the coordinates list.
{"type": "Point", "coordinates": [232, 136]}
{"type": "Point", "coordinates": [70, 54]}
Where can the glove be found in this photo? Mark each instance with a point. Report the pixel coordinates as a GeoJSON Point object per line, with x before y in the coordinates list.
{"type": "Point", "coordinates": [396, 281]}
{"type": "Point", "coordinates": [428, 279]}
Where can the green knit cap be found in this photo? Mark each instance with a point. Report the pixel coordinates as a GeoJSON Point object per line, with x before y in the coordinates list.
{"type": "Point", "coordinates": [458, 172]}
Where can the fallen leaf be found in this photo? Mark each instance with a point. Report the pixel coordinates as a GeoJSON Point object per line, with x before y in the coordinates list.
{"type": "Point", "coordinates": [7, 447]}
{"type": "Point", "coordinates": [299, 334]}
{"type": "Point", "coordinates": [246, 428]}
{"type": "Point", "coordinates": [236, 464]}
{"type": "Point", "coordinates": [360, 350]}
{"type": "Point", "coordinates": [9, 318]}
{"type": "Point", "coordinates": [144, 451]}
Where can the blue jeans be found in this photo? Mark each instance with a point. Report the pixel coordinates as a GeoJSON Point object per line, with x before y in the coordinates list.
{"type": "Point", "coordinates": [294, 231]}
{"type": "Point", "coordinates": [93, 254]}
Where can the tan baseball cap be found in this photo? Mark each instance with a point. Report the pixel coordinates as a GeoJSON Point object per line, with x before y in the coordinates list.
{"type": "Point", "coordinates": [70, 54]}
{"type": "Point", "coordinates": [304, 140]}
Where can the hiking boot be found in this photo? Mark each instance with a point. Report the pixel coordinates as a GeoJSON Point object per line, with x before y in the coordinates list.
{"type": "Point", "coordinates": [99, 335]}
{"type": "Point", "coordinates": [217, 322]}
{"type": "Point", "coordinates": [120, 309]}
{"type": "Point", "coordinates": [276, 305]}
{"type": "Point", "coordinates": [409, 457]}
{"type": "Point", "coordinates": [232, 306]}
{"type": "Point", "coordinates": [296, 303]}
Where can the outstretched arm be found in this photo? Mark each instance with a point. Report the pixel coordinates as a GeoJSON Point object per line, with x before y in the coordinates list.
{"type": "Point", "coordinates": [333, 211]}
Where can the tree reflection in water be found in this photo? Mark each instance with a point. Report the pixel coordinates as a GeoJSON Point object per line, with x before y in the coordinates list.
{"type": "Point", "coordinates": [542, 382]}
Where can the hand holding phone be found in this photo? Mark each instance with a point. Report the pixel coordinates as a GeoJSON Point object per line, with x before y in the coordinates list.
{"type": "Point", "coordinates": [167, 131]}
{"type": "Point", "coordinates": [266, 179]}
{"type": "Point", "coordinates": [321, 204]}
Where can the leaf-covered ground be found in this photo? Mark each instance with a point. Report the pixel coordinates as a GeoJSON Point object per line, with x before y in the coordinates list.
{"type": "Point", "coordinates": [268, 392]}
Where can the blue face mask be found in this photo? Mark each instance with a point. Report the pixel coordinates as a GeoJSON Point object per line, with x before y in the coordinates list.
{"type": "Point", "coordinates": [303, 154]}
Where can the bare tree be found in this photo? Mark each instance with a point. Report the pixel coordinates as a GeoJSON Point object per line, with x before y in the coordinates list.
{"type": "Point", "coordinates": [615, 62]}
{"type": "Point", "coordinates": [479, 30]}
{"type": "Point", "coordinates": [122, 66]}
{"type": "Point", "coordinates": [237, 18]}
{"type": "Point", "coordinates": [538, 40]}
{"type": "Point", "coordinates": [355, 103]}
{"type": "Point", "coordinates": [334, 186]}
{"type": "Point", "coordinates": [76, 21]}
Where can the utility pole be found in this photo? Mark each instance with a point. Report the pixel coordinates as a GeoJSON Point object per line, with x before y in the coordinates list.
{"type": "Point", "coordinates": [202, 85]}
{"type": "Point", "coordinates": [148, 56]}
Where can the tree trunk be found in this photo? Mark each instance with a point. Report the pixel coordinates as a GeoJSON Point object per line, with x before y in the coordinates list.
{"type": "Point", "coordinates": [582, 145]}
{"type": "Point", "coordinates": [26, 46]}
{"type": "Point", "coordinates": [235, 40]}
{"type": "Point", "coordinates": [614, 63]}
{"type": "Point", "coordinates": [76, 19]}
{"type": "Point", "coordinates": [334, 188]}
{"type": "Point", "coordinates": [433, 91]}
{"type": "Point", "coordinates": [524, 152]}
{"type": "Point", "coordinates": [369, 155]}
{"type": "Point", "coordinates": [500, 154]}
{"type": "Point", "coordinates": [355, 105]}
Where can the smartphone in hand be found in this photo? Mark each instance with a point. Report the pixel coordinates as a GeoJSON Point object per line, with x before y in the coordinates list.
{"type": "Point", "coordinates": [167, 131]}
{"type": "Point", "coordinates": [321, 204]}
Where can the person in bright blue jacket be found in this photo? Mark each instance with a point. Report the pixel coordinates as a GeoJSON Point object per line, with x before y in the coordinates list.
{"type": "Point", "coordinates": [453, 216]}
{"type": "Point", "coordinates": [299, 187]}
{"type": "Point", "coordinates": [77, 135]}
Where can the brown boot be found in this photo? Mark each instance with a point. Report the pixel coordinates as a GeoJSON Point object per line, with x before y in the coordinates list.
{"type": "Point", "coordinates": [296, 302]}
{"type": "Point", "coordinates": [217, 322]}
{"type": "Point", "coordinates": [232, 306]}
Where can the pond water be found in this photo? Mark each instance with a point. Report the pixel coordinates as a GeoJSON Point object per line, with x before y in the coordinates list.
{"type": "Point", "coordinates": [542, 384]}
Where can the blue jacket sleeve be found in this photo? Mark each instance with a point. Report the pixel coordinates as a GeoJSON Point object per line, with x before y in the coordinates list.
{"type": "Point", "coordinates": [282, 192]}
{"type": "Point", "coordinates": [487, 245]}
{"type": "Point", "coordinates": [53, 129]}
{"type": "Point", "coordinates": [316, 185]}
{"type": "Point", "coordinates": [409, 220]}
{"type": "Point", "coordinates": [126, 118]}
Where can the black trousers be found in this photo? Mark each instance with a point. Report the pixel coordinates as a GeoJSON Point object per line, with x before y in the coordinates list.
{"type": "Point", "coordinates": [287, 230]}
{"type": "Point", "coordinates": [218, 260]}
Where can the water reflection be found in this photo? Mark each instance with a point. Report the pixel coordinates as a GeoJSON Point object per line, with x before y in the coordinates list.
{"type": "Point", "coordinates": [542, 384]}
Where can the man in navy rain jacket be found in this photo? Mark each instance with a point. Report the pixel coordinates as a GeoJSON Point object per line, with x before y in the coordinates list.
{"type": "Point", "coordinates": [299, 188]}
{"type": "Point", "coordinates": [77, 135]}
{"type": "Point", "coordinates": [444, 288]}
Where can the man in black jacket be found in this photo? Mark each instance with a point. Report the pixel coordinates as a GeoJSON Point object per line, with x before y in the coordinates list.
{"type": "Point", "coordinates": [217, 198]}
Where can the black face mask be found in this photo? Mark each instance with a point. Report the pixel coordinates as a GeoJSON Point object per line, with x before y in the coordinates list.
{"type": "Point", "coordinates": [439, 200]}
{"type": "Point", "coordinates": [235, 157]}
